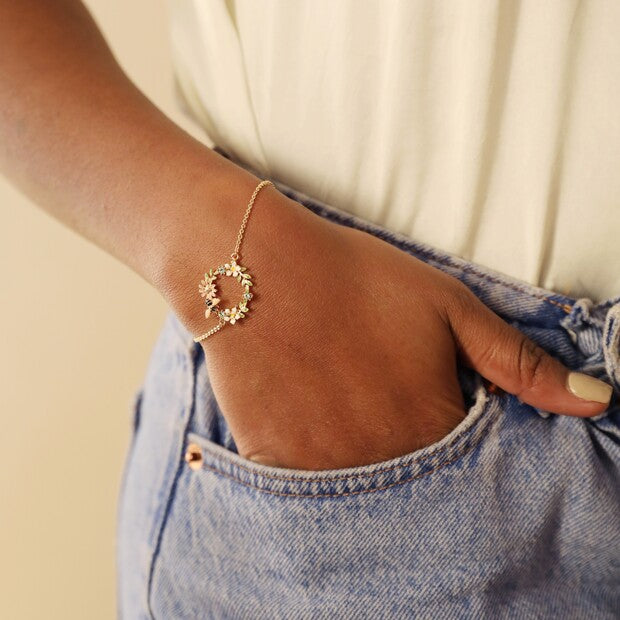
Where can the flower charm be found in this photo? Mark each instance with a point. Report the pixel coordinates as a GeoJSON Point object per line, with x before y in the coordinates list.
{"type": "Point", "coordinates": [233, 269]}
{"type": "Point", "coordinates": [207, 289]}
{"type": "Point", "coordinates": [232, 315]}
{"type": "Point", "coordinates": [207, 286]}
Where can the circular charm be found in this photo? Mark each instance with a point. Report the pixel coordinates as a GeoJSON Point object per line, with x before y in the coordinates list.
{"type": "Point", "coordinates": [208, 290]}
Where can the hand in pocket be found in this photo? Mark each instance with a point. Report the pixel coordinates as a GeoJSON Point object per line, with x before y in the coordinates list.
{"type": "Point", "coordinates": [348, 356]}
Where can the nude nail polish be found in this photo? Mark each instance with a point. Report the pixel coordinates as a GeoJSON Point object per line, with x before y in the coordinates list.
{"type": "Point", "coordinates": [588, 388]}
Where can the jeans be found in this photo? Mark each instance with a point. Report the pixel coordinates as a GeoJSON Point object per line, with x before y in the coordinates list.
{"type": "Point", "coordinates": [514, 514]}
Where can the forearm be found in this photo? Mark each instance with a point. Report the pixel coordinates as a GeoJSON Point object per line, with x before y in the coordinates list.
{"type": "Point", "coordinates": [87, 146]}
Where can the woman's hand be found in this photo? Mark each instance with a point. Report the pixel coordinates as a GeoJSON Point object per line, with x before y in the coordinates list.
{"type": "Point", "coordinates": [348, 353]}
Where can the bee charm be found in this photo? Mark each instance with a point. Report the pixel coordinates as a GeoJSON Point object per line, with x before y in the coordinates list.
{"type": "Point", "coordinates": [211, 303]}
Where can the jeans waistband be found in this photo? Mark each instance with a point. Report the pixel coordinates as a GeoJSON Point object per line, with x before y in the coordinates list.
{"type": "Point", "coordinates": [592, 330]}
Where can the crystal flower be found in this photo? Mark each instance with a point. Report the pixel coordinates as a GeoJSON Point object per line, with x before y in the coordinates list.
{"type": "Point", "coordinates": [232, 315]}
{"type": "Point", "coordinates": [233, 269]}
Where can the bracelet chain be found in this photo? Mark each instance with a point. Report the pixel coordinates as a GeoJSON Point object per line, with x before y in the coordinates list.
{"type": "Point", "coordinates": [243, 277]}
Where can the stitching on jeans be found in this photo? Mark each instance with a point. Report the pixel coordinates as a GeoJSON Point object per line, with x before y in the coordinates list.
{"type": "Point", "coordinates": [416, 461]}
{"type": "Point", "coordinates": [484, 276]}
{"type": "Point", "coordinates": [169, 500]}
{"type": "Point", "coordinates": [311, 495]}
{"type": "Point", "coordinates": [483, 416]}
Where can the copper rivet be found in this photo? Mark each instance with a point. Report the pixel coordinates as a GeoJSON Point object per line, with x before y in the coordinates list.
{"type": "Point", "coordinates": [193, 456]}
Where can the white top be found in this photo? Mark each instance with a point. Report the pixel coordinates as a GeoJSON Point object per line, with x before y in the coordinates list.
{"type": "Point", "coordinates": [488, 129]}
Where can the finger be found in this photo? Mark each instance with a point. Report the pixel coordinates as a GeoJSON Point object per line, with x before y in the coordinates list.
{"type": "Point", "coordinates": [508, 358]}
{"type": "Point", "coordinates": [263, 459]}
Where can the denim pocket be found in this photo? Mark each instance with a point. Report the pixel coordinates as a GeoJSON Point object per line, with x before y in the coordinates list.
{"type": "Point", "coordinates": [462, 527]}
{"type": "Point", "coordinates": [241, 539]}
{"type": "Point", "coordinates": [212, 458]}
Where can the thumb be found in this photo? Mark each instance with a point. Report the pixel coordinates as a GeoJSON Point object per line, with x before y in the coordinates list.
{"type": "Point", "coordinates": [508, 358]}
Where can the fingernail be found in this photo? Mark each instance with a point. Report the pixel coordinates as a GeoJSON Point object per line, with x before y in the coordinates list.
{"type": "Point", "coordinates": [589, 388]}
{"type": "Point", "coordinates": [263, 460]}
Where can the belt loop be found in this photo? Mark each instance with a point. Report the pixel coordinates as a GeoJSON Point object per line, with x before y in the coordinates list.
{"type": "Point", "coordinates": [611, 344]}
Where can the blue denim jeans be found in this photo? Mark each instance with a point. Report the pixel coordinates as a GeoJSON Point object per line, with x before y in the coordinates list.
{"type": "Point", "coordinates": [514, 514]}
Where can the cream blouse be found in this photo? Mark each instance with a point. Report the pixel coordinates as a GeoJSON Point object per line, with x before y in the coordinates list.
{"type": "Point", "coordinates": [487, 128]}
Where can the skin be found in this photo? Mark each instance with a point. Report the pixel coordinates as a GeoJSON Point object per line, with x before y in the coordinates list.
{"type": "Point", "coordinates": [348, 354]}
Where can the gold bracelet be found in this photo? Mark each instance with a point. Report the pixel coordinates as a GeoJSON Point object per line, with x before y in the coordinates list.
{"type": "Point", "coordinates": [207, 288]}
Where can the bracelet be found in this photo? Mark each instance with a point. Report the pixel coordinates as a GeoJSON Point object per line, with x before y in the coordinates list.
{"type": "Point", "coordinates": [208, 290]}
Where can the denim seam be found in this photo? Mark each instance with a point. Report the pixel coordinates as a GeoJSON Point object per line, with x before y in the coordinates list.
{"type": "Point", "coordinates": [415, 461]}
{"type": "Point", "coordinates": [465, 269]}
{"type": "Point", "coordinates": [179, 470]}
{"type": "Point", "coordinates": [134, 418]}
{"type": "Point", "coordinates": [344, 493]}
{"type": "Point", "coordinates": [476, 431]}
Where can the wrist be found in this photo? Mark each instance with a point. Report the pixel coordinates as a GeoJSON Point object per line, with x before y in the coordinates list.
{"type": "Point", "coordinates": [205, 237]}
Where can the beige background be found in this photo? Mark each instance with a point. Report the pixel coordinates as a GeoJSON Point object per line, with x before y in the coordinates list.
{"type": "Point", "coordinates": [77, 330]}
